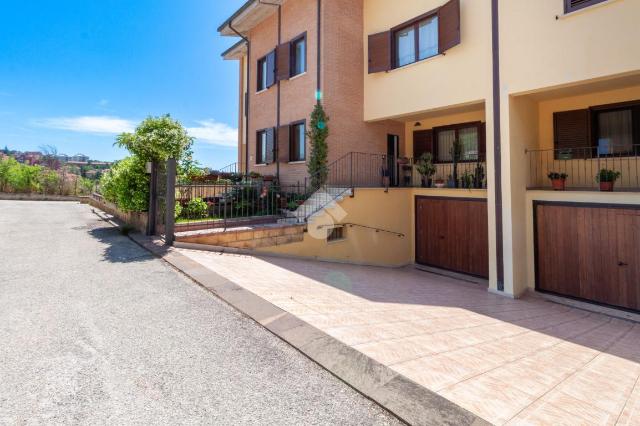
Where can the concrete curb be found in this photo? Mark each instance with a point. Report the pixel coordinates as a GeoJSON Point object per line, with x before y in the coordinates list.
{"type": "Point", "coordinates": [402, 397]}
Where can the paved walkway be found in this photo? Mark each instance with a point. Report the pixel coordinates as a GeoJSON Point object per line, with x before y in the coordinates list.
{"type": "Point", "coordinates": [95, 330]}
{"type": "Point", "coordinates": [525, 362]}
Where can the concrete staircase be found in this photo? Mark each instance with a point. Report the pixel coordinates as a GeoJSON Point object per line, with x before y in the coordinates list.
{"type": "Point", "coordinates": [325, 198]}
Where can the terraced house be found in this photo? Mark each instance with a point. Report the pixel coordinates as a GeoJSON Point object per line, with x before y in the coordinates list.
{"type": "Point", "coordinates": [503, 95]}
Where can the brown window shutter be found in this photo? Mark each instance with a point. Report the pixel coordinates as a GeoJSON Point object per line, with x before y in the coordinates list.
{"type": "Point", "coordinates": [284, 135]}
{"type": "Point", "coordinates": [449, 25]}
{"type": "Point", "coordinates": [270, 145]}
{"type": "Point", "coordinates": [482, 141]}
{"type": "Point", "coordinates": [422, 142]}
{"type": "Point", "coordinates": [283, 58]}
{"type": "Point", "coordinates": [380, 52]}
{"type": "Point", "coordinates": [271, 68]}
{"type": "Point", "coordinates": [571, 132]}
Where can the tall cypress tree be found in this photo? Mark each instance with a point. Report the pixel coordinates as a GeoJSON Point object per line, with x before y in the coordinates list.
{"type": "Point", "coordinates": [317, 134]}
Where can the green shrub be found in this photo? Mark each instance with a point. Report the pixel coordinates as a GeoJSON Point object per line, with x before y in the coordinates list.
{"type": "Point", "coordinates": [177, 211]}
{"type": "Point", "coordinates": [127, 185]}
{"type": "Point", "coordinates": [196, 208]}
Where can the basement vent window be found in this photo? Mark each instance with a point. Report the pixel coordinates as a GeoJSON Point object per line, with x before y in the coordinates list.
{"type": "Point", "coordinates": [573, 5]}
{"type": "Point", "coordinates": [336, 234]}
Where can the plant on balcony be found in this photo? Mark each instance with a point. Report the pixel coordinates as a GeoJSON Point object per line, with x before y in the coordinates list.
{"type": "Point", "coordinates": [478, 175]}
{"type": "Point", "coordinates": [317, 134]}
{"type": "Point", "coordinates": [425, 167]}
{"type": "Point", "coordinates": [607, 179]}
{"type": "Point", "coordinates": [466, 180]}
{"type": "Point", "coordinates": [558, 180]}
{"type": "Point", "coordinates": [456, 151]}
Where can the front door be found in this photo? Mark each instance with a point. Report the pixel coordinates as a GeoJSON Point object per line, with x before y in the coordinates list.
{"type": "Point", "coordinates": [393, 146]}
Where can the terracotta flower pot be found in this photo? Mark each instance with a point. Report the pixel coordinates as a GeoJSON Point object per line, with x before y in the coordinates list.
{"type": "Point", "coordinates": [606, 186]}
{"type": "Point", "coordinates": [558, 184]}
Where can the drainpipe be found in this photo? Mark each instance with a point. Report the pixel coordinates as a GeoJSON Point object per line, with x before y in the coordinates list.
{"type": "Point", "coordinates": [277, 89]}
{"type": "Point", "coordinates": [246, 100]}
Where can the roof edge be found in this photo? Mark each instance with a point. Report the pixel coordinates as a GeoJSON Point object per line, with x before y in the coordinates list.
{"type": "Point", "coordinates": [237, 13]}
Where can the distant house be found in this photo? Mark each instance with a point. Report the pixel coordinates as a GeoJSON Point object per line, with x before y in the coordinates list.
{"type": "Point", "coordinates": [79, 158]}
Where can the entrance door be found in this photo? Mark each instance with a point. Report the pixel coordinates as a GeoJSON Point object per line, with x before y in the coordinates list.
{"type": "Point", "coordinates": [452, 234]}
{"type": "Point", "coordinates": [589, 252]}
{"type": "Point", "coordinates": [393, 151]}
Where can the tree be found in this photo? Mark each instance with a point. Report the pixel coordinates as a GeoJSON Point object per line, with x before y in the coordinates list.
{"type": "Point", "coordinates": [127, 184]}
{"type": "Point", "coordinates": [317, 134]}
{"type": "Point", "coordinates": [157, 139]}
{"type": "Point", "coordinates": [6, 150]}
{"type": "Point", "coordinates": [50, 156]}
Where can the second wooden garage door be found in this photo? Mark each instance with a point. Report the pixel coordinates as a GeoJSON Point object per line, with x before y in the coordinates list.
{"type": "Point", "coordinates": [589, 252]}
{"type": "Point", "coordinates": [452, 234]}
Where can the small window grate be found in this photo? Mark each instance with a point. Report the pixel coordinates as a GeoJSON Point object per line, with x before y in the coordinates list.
{"type": "Point", "coordinates": [336, 234]}
{"type": "Point", "coordinates": [573, 5]}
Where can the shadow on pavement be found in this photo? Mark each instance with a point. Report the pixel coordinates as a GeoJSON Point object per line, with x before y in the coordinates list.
{"type": "Point", "coordinates": [118, 248]}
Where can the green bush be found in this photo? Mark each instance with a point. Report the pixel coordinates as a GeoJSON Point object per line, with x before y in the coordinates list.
{"type": "Point", "coordinates": [196, 208]}
{"type": "Point", "coordinates": [127, 185]}
{"type": "Point", "coordinates": [177, 211]}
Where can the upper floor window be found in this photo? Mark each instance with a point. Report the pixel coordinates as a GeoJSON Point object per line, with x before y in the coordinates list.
{"type": "Point", "coordinates": [266, 71]}
{"type": "Point", "coordinates": [298, 56]}
{"type": "Point", "coordinates": [417, 41]}
{"type": "Point", "coordinates": [297, 146]}
{"type": "Point", "coordinates": [573, 5]}
{"type": "Point", "coordinates": [264, 146]}
{"type": "Point", "coordinates": [425, 36]}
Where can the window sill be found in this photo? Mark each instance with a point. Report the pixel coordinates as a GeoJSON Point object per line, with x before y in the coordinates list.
{"type": "Point", "coordinates": [297, 76]}
{"type": "Point", "coordinates": [261, 165]}
{"type": "Point", "coordinates": [339, 240]}
{"type": "Point", "coordinates": [298, 162]}
{"type": "Point", "coordinates": [413, 64]}
{"type": "Point", "coordinates": [263, 90]}
{"type": "Point", "coordinates": [584, 9]}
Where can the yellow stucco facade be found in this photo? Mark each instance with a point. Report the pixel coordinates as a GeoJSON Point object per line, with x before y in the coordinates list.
{"type": "Point", "coordinates": [549, 62]}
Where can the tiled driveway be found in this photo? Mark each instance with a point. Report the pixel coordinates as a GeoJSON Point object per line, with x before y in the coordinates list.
{"type": "Point", "coordinates": [525, 361]}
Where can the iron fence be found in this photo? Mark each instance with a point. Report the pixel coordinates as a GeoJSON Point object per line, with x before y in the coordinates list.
{"type": "Point", "coordinates": [225, 204]}
{"type": "Point", "coordinates": [582, 166]}
{"type": "Point", "coordinates": [470, 174]}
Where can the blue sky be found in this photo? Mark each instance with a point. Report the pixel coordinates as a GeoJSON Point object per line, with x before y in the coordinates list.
{"type": "Point", "coordinates": [74, 73]}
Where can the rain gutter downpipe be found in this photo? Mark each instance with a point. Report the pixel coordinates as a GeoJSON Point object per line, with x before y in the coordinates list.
{"type": "Point", "coordinates": [246, 99]}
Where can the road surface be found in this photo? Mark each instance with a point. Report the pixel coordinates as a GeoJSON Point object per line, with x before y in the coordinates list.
{"type": "Point", "coordinates": [94, 330]}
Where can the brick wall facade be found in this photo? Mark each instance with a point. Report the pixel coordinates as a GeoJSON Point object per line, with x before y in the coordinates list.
{"type": "Point", "coordinates": [342, 68]}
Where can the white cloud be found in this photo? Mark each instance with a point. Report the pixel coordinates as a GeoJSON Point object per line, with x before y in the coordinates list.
{"type": "Point", "coordinates": [89, 124]}
{"type": "Point", "coordinates": [103, 102]}
{"type": "Point", "coordinates": [214, 133]}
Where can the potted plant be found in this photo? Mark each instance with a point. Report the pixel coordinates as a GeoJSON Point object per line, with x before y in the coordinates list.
{"type": "Point", "coordinates": [607, 178]}
{"type": "Point", "coordinates": [478, 177]}
{"type": "Point", "coordinates": [425, 167]}
{"type": "Point", "coordinates": [456, 155]}
{"type": "Point", "coordinates": [440, 183]}
{"type": "Point", "coordinates": [558, 180]}
{"type": "Point", "coordinates": [466, 181]}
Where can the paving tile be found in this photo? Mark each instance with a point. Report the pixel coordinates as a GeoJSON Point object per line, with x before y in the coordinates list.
{"type": "Point", "coordinates": [488, 398]}
{"type": "Point", "coordinates": [524, 361]}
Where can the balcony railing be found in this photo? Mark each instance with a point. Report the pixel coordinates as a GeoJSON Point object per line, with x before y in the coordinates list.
{"type": "Point", "coordinates": [583, 165]}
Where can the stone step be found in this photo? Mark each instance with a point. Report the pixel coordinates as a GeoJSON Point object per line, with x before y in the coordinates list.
{"type": "Point", "coordinates": [246, 237]}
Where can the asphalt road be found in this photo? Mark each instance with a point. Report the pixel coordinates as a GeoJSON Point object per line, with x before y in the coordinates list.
{"type": "Point", "coordinates": [94, 330]}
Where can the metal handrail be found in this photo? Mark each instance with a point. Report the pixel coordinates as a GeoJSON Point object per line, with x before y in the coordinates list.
{"type": "Point", "coordinates": [372, 228]}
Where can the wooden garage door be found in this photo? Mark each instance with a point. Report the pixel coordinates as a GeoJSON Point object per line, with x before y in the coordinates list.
{"type": "Point", "coordinates": [589, 252]}
{"type": "Point", "coordinates": [452, 234]}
